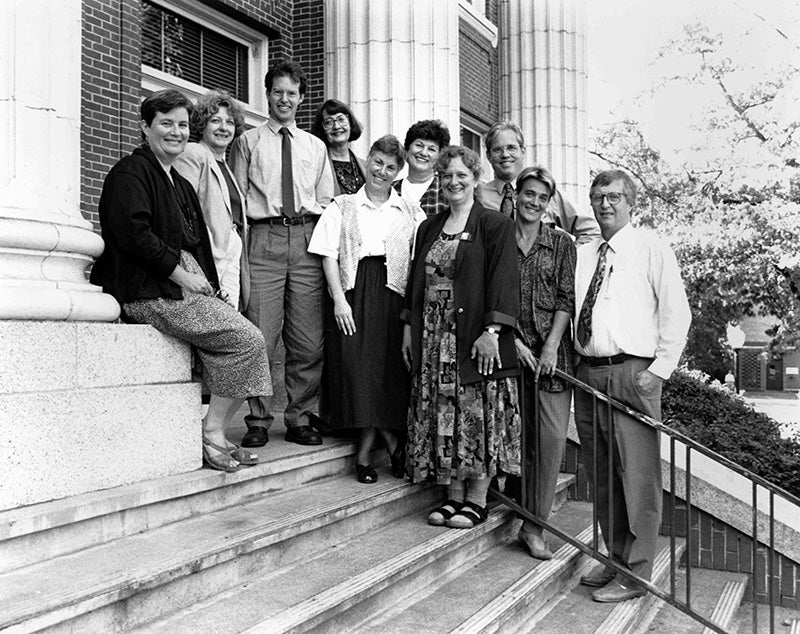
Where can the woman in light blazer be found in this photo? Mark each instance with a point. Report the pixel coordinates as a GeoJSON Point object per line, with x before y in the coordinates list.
{"type": "Point", "coordinates": [216, 120]}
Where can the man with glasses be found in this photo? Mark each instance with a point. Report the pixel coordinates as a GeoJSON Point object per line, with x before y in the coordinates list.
{"type": "Point", "coordinates": [286, 179]}
{"type": "Point", "coordinates": [505, 147]}
{"type": "Point", "coordinates": [631, 327]}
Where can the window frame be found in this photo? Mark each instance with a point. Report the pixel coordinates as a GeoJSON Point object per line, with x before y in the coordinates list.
{"type": "Point", "coordinates": [257, 44]}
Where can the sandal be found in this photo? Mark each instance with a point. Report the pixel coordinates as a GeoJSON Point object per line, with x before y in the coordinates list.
{"type": "Point", "coordinates": [242, 456]}
{"type": "Point", "coordinates": [228, 464]}
{"type": "Point", "coordinates": [440, 515]}
{"type": "Point", "coordinates": [468, 516]}
{"type": "Point", "coordinates": [366, 474]}
{"type": "Point", "coordinates": [398, 459]}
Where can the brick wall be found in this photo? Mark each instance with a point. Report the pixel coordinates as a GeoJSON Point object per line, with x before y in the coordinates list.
{"type": "Point", "coordinates": [110, 90]}
{"type": "Point", "coordinates": [478, 75]}
{"type": "Point", "coordinates": [309, 52]}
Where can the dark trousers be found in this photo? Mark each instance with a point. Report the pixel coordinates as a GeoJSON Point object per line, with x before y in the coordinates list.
{"type": "Point", "coordinates": [635, 454]}
{"type": "Point", "coordinates": [286, 290]}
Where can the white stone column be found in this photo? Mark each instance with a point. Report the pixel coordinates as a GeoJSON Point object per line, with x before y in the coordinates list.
{"type": "Point", "coordinates": [45, 244]}
{"type": "Point", "coordinates": [393, 62]}
{"type": "Point", "coordinates": [543, 81]}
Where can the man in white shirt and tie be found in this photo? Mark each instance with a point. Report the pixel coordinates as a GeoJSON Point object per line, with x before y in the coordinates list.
{"type": "Point", "coordinates": [505, 147]}
{"type": "Point", "coordinates": [631, 326]}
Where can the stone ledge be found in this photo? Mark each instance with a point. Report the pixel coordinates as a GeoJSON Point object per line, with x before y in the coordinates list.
{"type": "Point", "coordinates": [48, 356]}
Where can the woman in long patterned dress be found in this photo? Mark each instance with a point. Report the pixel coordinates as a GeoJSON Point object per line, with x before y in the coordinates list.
{"type": "Point", "coordinates": [159, 266]}
{"type": "Point", "coordinates": [462, 305]}
{"type": "Point", "coordinates": [365, 243]}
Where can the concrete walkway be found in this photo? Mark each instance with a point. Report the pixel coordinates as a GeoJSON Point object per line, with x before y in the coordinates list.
{"type": "Point", "coordinates": [784, 407]}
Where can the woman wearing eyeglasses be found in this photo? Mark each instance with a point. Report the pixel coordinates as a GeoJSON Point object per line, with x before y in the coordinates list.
{"type": "Point", "coordinates": [336, 125]}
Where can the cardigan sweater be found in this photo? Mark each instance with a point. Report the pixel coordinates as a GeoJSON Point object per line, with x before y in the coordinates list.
{"type": "Point", "coordinates": [142, 226]}
{"type": "Point", "coordinates": [485, 288]}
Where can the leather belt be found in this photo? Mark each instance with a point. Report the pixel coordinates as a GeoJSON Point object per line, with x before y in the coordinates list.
{"type": "Point", "coordinates": [594, 362]}
{"type": "Point", "coordinates": [285, 221]}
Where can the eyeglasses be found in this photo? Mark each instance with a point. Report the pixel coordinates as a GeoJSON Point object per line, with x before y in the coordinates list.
{"type": "Point", "coordinates": [340, 119]}
{"type": "Point", "coordinates": [613, 198]}
{"type": "Point", "coordinates": [511, 149]}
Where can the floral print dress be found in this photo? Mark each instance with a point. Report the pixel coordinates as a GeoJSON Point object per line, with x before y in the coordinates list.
{"type": "Point", "coordinates": [456, 431]}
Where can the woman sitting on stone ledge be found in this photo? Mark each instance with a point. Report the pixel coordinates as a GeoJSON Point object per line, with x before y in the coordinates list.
{"type": "Point", "coordinates": [158, 265]}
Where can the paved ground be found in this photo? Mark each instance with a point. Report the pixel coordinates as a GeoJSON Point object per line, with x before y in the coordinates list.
{"type": "Point", "coordinates": [784, 407]}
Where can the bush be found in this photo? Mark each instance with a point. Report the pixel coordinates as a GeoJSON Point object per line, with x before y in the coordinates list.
{"type": "Point", "coordinates": [724, 422]}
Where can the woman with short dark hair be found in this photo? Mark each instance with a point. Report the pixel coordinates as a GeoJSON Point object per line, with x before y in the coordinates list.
{"type": "Point", "coordinates": [159, 266]}
{"type": "Point", "coordinates": [365, 243]}
{"type": "Point", "coordinates": [461, 309]}
{"type": "Point", "coordinates": [424, 142]}
{"type": "Point", "coordinates": [337, 126]}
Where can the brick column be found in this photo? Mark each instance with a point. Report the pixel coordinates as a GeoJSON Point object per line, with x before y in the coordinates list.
{"type": "Point", "coordinates": [45, 244]}
{"type": "Point", "coordinates": [543, 80]}
{"type": "Point", "coordinates": [393, 62]}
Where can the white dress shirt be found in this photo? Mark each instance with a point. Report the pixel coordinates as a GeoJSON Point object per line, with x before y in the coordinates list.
{"type": "Point", "coordinates": [641, 308]}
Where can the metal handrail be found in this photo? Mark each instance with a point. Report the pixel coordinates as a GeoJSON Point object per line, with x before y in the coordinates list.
{"type": "Point", "coordinates": [690, 445]}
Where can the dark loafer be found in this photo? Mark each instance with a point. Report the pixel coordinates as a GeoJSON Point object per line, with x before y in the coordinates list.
{"type": "Point", "coordinates": [303, 435]}
{"type": "Point", "coordinates": [616, 591]}
{"type": "Point", "coordinates": [598, 579]}
{"type": "Point", "coordinates": [255, 437]}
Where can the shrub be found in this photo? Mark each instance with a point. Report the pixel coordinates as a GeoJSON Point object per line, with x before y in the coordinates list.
{"type": "Point", "coordinates": [724, 422]}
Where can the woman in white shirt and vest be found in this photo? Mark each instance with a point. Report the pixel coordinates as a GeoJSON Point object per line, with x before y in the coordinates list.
{"type": "Point", "coordinates": [365, 242]}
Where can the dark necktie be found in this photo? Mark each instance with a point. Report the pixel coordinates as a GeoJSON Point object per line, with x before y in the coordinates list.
{"type": "Point", "coordinates": [585, 318]}
{"type": "Point", "coordinates": [507, 204]}
{"type": "Point", "coordinates": [287, 180]}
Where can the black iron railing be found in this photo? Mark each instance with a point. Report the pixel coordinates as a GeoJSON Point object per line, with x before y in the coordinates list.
{"type": "Point", "coordinates": [680, 600]}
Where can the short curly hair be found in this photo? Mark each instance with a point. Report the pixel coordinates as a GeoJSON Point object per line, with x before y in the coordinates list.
{"type": "Point", "coordinates": [428, 130]}
{"type": "Point", "coordinates": [470, 159]}
{"type": "Point", "coordinates": [208, 105]}
{"type": "Point", "coordinates": [390, 145]}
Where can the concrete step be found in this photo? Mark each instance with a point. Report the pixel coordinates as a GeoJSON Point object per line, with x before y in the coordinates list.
{"type": "Point", "coordinates": [576, 613]}
{"type": "Point", "coordinates": [715, 594]}
{"type": "Point", "coordinates": [495, 593]}
{"type": "Point", "coordinates": [43, 531]}
{"type": "Point", "coordinates": [120, 584]}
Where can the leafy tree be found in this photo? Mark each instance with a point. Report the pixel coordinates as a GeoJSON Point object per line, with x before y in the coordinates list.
{"type": "Point", "coordinates": [731, 212]}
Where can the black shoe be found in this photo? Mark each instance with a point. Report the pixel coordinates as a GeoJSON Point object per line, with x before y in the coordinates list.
{"type": "Point", "coordinates": [303, 435]}
{"type": "Point", "coordinates": [255, 437]}
{"type": "Point", "coordinates": [319, 424]}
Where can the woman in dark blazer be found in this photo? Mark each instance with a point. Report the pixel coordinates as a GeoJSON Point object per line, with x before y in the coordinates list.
{"type": "Point", "coordinates": [462, 305]}
{"type": "Point", "coordinates": [158, 265]}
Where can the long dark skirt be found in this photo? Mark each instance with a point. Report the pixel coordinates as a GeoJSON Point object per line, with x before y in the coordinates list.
{"type": "Point", "coordinates": [366, 383]}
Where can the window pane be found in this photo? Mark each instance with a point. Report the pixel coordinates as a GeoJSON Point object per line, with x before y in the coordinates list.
{"type": "Point", "coordinates": [180, 47]}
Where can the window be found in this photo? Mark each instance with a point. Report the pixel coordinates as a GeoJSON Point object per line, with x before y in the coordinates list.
{"type": "Point", "coordinates": [472, 132]}
{"type": "Point", "coordinates": [179, 47]}
{"type": "Point", "coordinates": [188, 46]}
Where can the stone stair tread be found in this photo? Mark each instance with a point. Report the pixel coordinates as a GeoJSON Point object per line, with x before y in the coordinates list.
{"type": "Point", "coordinates": [476, 583]}
{"type": "Point", "coordinates": [707, 586]}
{"type": "Point", "coordinates": [245, 606]}
{"type": "Point", "coordinates": [103, 574]}
{"type": "Point", "coordinates": [577, 613]}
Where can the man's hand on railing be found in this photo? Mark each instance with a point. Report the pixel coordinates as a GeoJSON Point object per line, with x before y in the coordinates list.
{"type": "Point", "coordinates": [548, 359]}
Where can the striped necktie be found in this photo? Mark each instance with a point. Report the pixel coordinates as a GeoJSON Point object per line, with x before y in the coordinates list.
{"type": "Point", "coordinates": [585, 318]}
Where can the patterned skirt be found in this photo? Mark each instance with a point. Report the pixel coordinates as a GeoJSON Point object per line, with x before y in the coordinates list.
{"type": "Point", "coordinates": [456, 431]}
{"type": "Point", "coordinates": [230, 348]}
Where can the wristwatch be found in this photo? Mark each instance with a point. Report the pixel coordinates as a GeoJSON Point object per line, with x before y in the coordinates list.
{"type": "Point", "coordinates": [492, 330]}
